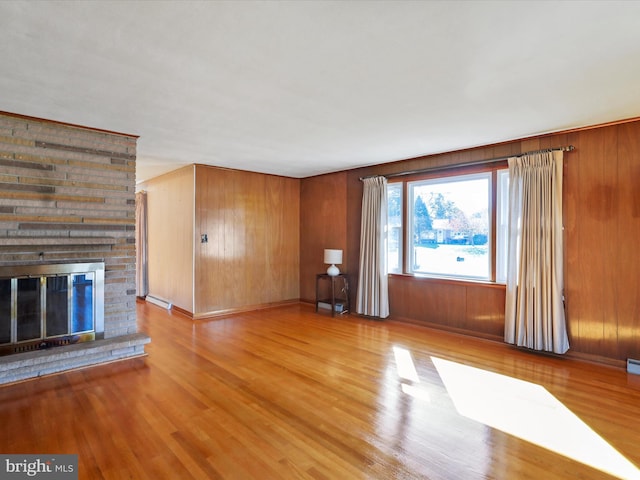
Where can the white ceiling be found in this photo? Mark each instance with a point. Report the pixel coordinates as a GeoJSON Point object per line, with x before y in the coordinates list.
{"type": "Point", "coordinates": [299, 88]}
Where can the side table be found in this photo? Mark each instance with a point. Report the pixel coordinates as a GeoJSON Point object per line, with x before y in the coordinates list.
{"type": "Point", "coordinates": [339, 292]}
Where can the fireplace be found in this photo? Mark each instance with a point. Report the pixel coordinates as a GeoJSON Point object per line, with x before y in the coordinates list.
{"type": "Point", "coordinates": [67, 199]}
{"type": "Point", "coordinates": [44, 306]}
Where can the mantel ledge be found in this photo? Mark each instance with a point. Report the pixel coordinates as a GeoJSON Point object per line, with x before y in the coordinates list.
{"type": "Point", "coordinates": [40, 241]}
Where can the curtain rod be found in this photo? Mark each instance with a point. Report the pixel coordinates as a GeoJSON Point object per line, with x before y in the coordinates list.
{"type": "Point", "coordinates": [470, 164]}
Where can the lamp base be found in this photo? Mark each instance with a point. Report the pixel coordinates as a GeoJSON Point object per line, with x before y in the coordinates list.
{"type": "Point", "coordinates": [333, 271]}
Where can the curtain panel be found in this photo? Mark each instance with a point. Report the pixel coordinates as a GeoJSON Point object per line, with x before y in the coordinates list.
{"type": "Point", "coordinates": [373, 293]}
{"type": "Point", "coordinates": [534, 309]}
{"type": "Point", "coordinates": [142, 267]}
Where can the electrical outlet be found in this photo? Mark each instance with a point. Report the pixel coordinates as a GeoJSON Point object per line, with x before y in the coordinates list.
{"type": "Point", "coordinates": [204, 238]}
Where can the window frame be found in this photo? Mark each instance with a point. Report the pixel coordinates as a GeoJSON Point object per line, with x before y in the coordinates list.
{"type": "Point", "coordinates": [401, 236]}
{"type": "Point", "coordinates": [501, 231]}
{"type": "Point", "coordinates": [443, 173]}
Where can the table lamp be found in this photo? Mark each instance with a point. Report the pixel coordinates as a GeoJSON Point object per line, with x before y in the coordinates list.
{"type": "Point", "coordinates": [332, 257]}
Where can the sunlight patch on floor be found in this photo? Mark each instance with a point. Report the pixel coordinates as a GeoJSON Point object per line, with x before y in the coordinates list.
{"type": "Point", "coordinates": [404, 364]}
{"type": "Point", "coordinates": [529, 412]}
{"type": "Point", "coordinates": [415, 392]}
{"type": "Point", "coordinates": [406, 370]}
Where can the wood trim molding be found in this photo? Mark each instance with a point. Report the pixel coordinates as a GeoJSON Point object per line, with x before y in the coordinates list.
{"type": "Point", "coordinates": [583, 357]}
{"type": "Point", "coordinates": [66, 124]}
{"type": "Point", "coordinates": [545, 135]}
{"type": "Point", "coordinates": [505, 143]}
{"type": "Point", "coordinates": [445, 328]}
{"type": "Point", "coordinates": [448, 281]}
{"type": "Point", "coordinates": [231, 311]}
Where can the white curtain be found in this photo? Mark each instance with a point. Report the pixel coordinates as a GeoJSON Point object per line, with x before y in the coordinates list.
{"type": "Point", "coordinates": [373, 294]}
{"type": "Point", "coordinates": [142, 267]}
{"type": "Point", "coordinates": [534, 310]}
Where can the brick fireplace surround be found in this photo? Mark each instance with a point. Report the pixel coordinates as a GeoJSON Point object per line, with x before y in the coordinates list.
{"type": "Point", "coordinates": [67, 195]}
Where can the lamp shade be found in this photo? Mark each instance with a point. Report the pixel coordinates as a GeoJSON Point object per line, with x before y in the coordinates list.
{"type": "Point", "coordinates": [332, 256]}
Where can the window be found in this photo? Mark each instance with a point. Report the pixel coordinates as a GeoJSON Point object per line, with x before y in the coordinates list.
{"type": "Point", "coordinates": [502, 218]}
{"type": "Point", "coordinates": [394, 227]}
{"type": "Point", "coordinates": [448, 226]}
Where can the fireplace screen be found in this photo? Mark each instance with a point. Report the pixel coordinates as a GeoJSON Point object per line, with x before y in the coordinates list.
{"type": "Point", "coordinates": [50, 305]}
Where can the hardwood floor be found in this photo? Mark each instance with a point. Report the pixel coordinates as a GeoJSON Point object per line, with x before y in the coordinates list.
{"type": "Point", "coordinates": [288, 393]}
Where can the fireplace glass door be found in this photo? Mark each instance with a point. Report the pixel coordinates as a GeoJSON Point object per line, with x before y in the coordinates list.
{"type": "Point", "coordinates": [49, 308]}
{"type": "Point", "coordinates": [82, 318]}
{"type": "Point", "coordinates": [5, 310]}
{"type": "Point", "coordinates": [57, 306]}
{"type": "Point", "coordinates": [69, 311]}
{"type": "Point", "coordinates": [29, 309]}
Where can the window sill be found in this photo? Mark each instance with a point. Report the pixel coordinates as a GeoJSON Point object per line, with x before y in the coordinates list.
{"type": "Point", "coordinates": [447, 280]}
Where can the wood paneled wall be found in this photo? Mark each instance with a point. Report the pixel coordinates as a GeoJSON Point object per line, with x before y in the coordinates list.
{"type": "Point", "coordinates": [602, 230]}
{"type": "Point", "coordinates": [455, 306]}
{"type": "Point", "coordinates": [323, 224]}
{"type": "Point", "coordinates": [171, 203]}
{"type": "Point", "coordinates": [252, 257]}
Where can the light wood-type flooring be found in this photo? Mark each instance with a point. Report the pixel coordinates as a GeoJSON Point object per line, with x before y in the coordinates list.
{"type": "Point", "coordinates": [287, 393]}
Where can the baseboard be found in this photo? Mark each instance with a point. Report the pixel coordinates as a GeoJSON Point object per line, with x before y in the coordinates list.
{"type": "Point", "coordinates": [232, 311]}
{"type": "Point", "coordinates": [446, 328]}
{"type": "Point", "coordinates": [597, 359]}
{"type": "Point", "coordinates": [583, 357]}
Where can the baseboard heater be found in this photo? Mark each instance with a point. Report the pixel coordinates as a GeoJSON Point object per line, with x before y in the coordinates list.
{"type": "Point", "coordinates": [633, 366]}
{"type": "Point", "coordinates": [159, 302]}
